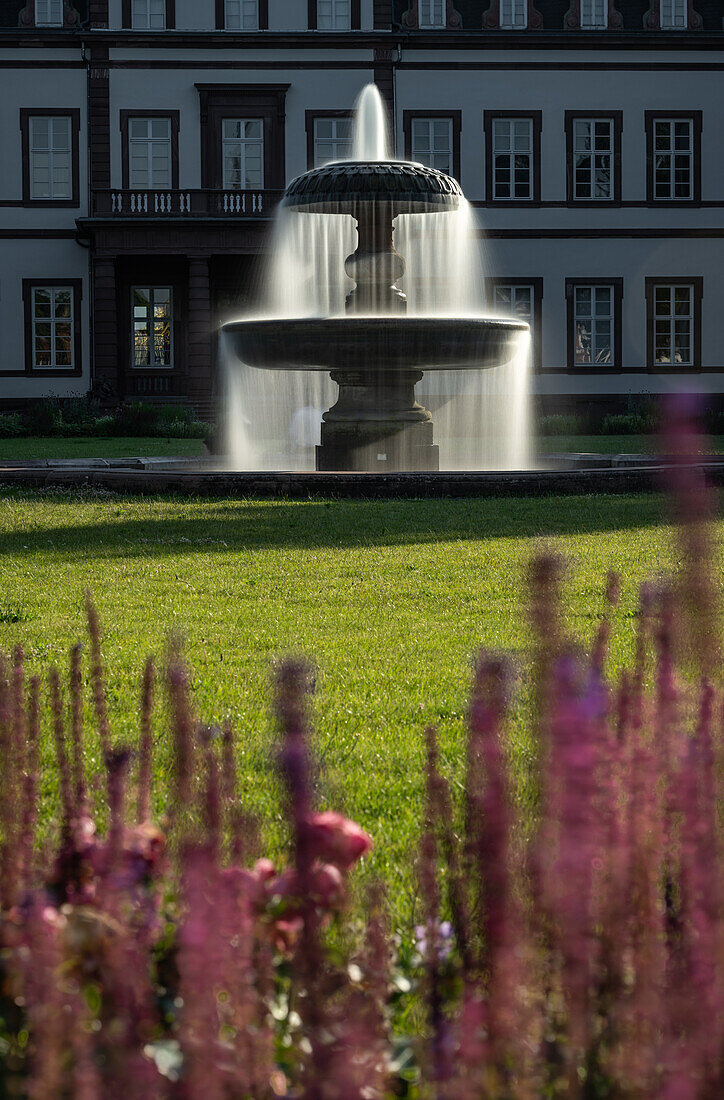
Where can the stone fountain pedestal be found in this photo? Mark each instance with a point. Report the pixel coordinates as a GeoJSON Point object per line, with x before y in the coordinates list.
{"type": "Point", "coordinates": [377, 424]}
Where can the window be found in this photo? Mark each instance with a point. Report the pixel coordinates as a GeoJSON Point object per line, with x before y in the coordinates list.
{"type": "Point", "coordinates": [594, 323]}
{"type": "Point", "coordinates": [242, 153]}
{"type": "Point", "coordinates": [332, 140]}
{"type": "Point", "coordinates": [152, 327]}
{"type": "Point", "coordinates": [521, 299]}
{"type": "Point", "coordinates": [241, 15]}
{"type": "Point", "coordinates": [50, 157]}
{"type": "Point", "coordinates": [52, 326]}
{"type": "Point", "coordinates": [513, 14]}
{"type": "Point", "coordinates": [673, 14]}
{"type": "Point", "coordinates": [593, 312]}
{"type": "Point", "coordinates": [432, 138]}
{"type": "Point", "coordinates": [673, 152]}
{"type": "Point", "coordinates": [673, 313]}
{"type": "Point", "coordinates": [148, 15]}
{"type": "Point", "coordinates": [512, 158]}
{"type": "Point", "coordinates": [432, 143]}
{"type": "Point", "coordinates": [260, 141]}
{"type": "Point", "coordinates": [52, 320]}
{"type": "Point", "coordinates": [333, 15]}
{"type": "Point", "coordinates": [48, 13]}
{"type": "Point", "coordinates": [673, 156]}
{"type": "Point", "coordinates": [149, 152]}
{"type": "Point", "coordinates": [594, 14]}
{"type": "Point", "coordinates": [514, 301]}
{"type": "Point", "coordinates": [433, 13]}
{"type": "Point", "coordinates": [593, 154]}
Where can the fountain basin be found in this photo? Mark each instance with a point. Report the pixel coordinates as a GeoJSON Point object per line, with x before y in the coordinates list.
{"type": "Point", "coordinates": [376, 422]}
{"type": "Point", "coordinates": [404, 187]}
{"type": "Point", "coordinates": [383, 344]}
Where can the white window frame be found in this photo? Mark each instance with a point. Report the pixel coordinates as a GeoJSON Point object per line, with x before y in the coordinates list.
{"type": "Point", "coordinates": [513, 15]}
{"type": "Point", "coordinates": [153, 363]}
{"type": "Point", "coordinates": [336, 142]}
{"type": "Point", "coordinates": [241, 144]}
{"type": "Point", "coordinates": [54, 157]}
{"type": "Point", "coordinates": [673, 158]}
{"type": "Point", "coordinates": [334, 15]}
{"type": "Point", "coordinates": [53, 323]}
{"type": "Point", "coordinates": [432, 14]}
{"type": "Point", "coordinates": [48, 13]}
{"type": "Point", "coordinates": [597, 322]}
{"type": "Point", "coordinates": [673, 15]}
{"type": "Point", "coordinates": [592, 155]}
{"type": "Point", "coordinates": [512, 310]}
{"type": "Point", "coordinates": [594, 15]}
{"type": "Point", "coordinates": [241, 15]}
{"type": "Point", "coordinates": [511, 154]}
{"type": "Point", "coordinates": [148, 15]}
{"type": "Point", "coordinates": [149, 141]}
{"type": "Point", "coordinates": [433, 153]}
{"type": "Point", "coordinates": [665, 324]}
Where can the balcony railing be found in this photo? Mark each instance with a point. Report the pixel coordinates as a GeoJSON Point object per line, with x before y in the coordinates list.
{"type": "Point", "coordinates": [167, 203]}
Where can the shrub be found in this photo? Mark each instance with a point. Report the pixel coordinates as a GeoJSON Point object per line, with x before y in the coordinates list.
{"type": "Point", "coordinates": [560, 424]}
{"type": "Point", "coordinates": [83, 417]}
{"type": "Point", "coordinates": [574, 951]}
{"type": "Point", "coordinates": [43, 417]}
{"type": "Point", "coordinates": [11, 425]}
{"type": "Point", "coordinates": [627, 424]}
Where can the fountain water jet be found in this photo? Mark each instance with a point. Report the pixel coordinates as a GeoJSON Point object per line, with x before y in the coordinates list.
{"type": "Point", "coordinates": [373, 343]}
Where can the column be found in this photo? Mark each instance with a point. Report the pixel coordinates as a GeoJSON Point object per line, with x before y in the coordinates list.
{"type": "Point", "coordinates": [200, 385]}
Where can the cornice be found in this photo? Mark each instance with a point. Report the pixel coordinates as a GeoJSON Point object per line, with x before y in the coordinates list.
{"type": "Point", "coordinates": [650, 41]}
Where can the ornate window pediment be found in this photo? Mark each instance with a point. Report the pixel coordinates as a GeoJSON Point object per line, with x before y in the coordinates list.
{"type": "Point", "coordinates": [432, 15]}
{"type": "Point", "coordinates": [497, 17]}
{"type": "Point", "coordinates": [50, 13]}
{"type": "Point", "coordinates": [667, 16]}
{"type": "Point", "coordinates": [593, 15]}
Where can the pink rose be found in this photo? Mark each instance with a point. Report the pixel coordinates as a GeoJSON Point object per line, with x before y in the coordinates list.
{"type": "Point", "coordinates": [337, 840]}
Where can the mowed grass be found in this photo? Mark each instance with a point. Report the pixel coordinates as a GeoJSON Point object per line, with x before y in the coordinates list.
{"type": "Point", "coordinates": [613, 444]}
{"type": "Point", "coordinates": [390, 599]}
{"type": "Point", "coordinates": [34, 447]}
{"type": "Point", "coordinates": [37, 447]}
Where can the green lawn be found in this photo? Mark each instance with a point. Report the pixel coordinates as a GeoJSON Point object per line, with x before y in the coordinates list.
{"type": "Point", "coordinates": [93, 447]}
{"type": "Point", "coordinates": [391, 599]}
{"type": "Point", "coordinates": [611, 444]}
{"type": "Point", "coordinates": [96, 447]}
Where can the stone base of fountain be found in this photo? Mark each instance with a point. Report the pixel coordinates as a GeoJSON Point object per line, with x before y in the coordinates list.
{"type": "Point", "coordinates": [377, 424]}
{"type": "Point", "coordinates": [377, 450]}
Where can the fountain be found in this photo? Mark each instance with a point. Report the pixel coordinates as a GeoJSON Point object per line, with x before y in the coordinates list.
{"type": "Point", "coordinates": [375, 349]}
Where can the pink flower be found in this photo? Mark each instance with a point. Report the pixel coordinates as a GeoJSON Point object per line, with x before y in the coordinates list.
{"type": "Point", "coordinates": [335, 839]}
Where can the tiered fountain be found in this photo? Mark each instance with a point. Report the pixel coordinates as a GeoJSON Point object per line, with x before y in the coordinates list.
{"type": "Point", "coordinates": [376, 351]}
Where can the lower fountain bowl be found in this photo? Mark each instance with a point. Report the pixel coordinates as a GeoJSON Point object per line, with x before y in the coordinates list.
{"type": "Point", "coordinates": [382, 344]}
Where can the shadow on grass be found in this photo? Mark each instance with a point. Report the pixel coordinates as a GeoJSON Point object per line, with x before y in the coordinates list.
{"type": "Point", "coordinates": [170, 526]}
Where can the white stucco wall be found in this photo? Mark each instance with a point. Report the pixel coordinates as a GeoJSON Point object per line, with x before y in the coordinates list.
{"type": "Point", "coordinates": [54, 260]}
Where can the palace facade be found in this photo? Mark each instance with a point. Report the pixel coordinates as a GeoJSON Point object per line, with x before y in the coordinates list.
{"type": "Point", "coordinates": [146, 144]}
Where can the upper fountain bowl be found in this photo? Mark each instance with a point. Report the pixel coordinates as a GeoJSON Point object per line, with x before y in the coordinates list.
{"type": "Point", "coordinates": [341, 186]}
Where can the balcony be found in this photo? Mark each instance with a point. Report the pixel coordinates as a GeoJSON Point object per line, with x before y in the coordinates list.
{"type": "Point", "coordinates": [167, 204]}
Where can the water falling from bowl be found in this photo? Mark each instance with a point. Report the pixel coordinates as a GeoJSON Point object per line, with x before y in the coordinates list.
{"type": "Point", "coordinates": [481, 415]}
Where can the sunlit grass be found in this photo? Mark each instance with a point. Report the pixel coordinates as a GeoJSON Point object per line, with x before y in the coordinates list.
{"type": "Point", "coordinates": [390, 599]}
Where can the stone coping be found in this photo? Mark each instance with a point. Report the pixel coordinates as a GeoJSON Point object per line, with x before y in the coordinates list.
{"type": "Point", "coordinates": [194, 477]}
